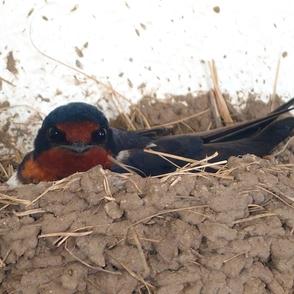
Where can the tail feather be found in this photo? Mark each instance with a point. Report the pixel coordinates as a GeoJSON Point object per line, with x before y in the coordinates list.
{"type": "Point", "coordinates": [245, 129]}
{"type": "Point", "coordinates": [276, 132]}
{"type": "Point", "coordinates": [284, 106]}
{"type": "Point", "coordinates": [260, 144]}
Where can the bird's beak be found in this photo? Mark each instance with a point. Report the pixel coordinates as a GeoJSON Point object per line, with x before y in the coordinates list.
{"type": "Point", "coordinates": [77, 147]}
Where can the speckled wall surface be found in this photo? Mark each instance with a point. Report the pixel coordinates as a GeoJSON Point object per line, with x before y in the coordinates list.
{"type": "Point", "coordinates": [143, 47]}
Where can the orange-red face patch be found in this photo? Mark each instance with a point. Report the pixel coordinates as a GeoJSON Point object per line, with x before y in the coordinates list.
{"type": "Point", "coordinates": [78, 131]}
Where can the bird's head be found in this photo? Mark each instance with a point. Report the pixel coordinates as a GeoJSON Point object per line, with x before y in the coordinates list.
{"type": "Point", "coordinates": [76, 127]}
{"type": "Point", "coordinates": [73, 138]}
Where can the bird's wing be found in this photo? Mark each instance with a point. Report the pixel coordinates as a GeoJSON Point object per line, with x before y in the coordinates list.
{"type": "Point", "coordinates": [244, 129]}
{"type": "Point", "coordinates": [124, 140]}
{"type": "Point", "coordinates": [147, 164]}
{"type": "Point", "coordinates": [155, 132]}
{"type": "Point", "coordinates": [192, 146]}
{"type": "Point", "coordinates": [257, 137]}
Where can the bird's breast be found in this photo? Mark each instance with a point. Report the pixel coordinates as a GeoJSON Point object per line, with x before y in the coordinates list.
{"type": "Point", "coordinates": [58, 163]}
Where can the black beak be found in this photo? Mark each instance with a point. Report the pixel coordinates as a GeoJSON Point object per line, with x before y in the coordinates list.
{"type": "Point", "coordinates": [77, 147]}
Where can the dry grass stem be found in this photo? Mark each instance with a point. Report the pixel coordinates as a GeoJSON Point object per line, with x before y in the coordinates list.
{"type": "Point", "coordinates": [63, 236]}
{"type": "Point", "coordinates": [209, 126]}
{"type": "Point", "coordinates": [287, 197]}
{"type": "Point", "coordinates": [177, 180]}
{"type": "Point", "coordinates": [221, 103]}
{"type": "Point", "coordinates": [247, 219]}
{"type": "Point", "coordinates": [4, 207]}
{"type": "Point", "coordinates": [29, 212]}
{"type": "Point", "coordinates": [166, 159]}
{"type": "Point", "coordinates": [233, 257]}
{"type": "Point", "coordinates": [280, 167]}
{"type": "Point", "coordinates": [183, 119]}
{"type": "Point", "coordinates": [58, 185]}
{"type": "Point", "coordinates": [188, 127]}
{"type": "Point", "coordinates": [126, 167]}
{"type": "Point", "coordinates": [192, 163]}
{"type": "Point", "coordinates": [106, 186]}
{"type": "Point", "coordinates": [2, 261]}
{"type": "Point", "coordinates": [147, 218]}
{"type": "Point", "coordinates": [96, 268]}
{"type": "Point", "coordinates": [174, 175]}
{"type": "Point", "coordinates": [4, 171]}
{"type": "Point", "coordinates": [116, 102]}
{"type": "Point", "coordinates": [255, 208]}
{"type": "Point", "coordinates": [168, 155]}
{"type": "Point", "coordinates": [144, 118]}
{"type": "Point", "coordinates": [128, 178]}
{"type": "Point", "coordinates": [284, 147]}
{"type": "Point", "coordinates": [141, 253]}
{"type": "Point", "coordinates": [191, 170]}
{"type": "Point", "coordinates": [134, 275]}
{"type": "Point", "coordinates": [274, 94]}
{"type": "Point", "coordinates": [276, 196]}
{"type": "Point", "coordinates": [59, 241]}
{"type": "Point", "coordinates": [11, 200]}
{"type": "Point", "coordinates": [214, 110]}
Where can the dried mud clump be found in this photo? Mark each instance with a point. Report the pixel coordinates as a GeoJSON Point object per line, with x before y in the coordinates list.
{"type": "Point", "coordinates": [192, 114]}
{"type": "Point", "coordinates": [187, 234]}
{"type": "Point", "coordinates": [99, 232]}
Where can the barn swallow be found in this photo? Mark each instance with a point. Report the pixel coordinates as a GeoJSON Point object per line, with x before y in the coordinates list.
{"type": "Point", "coordinates": [77, 136]}
{"type": "Point", "coordinates": [74, 138]}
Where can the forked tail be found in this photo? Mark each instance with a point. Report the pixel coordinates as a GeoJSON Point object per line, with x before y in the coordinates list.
{"type": "Point", "coordinates": [275, 133]}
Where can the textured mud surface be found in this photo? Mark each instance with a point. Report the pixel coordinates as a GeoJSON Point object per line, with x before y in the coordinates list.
{"type": "Point", "coordinates": [98, 232]}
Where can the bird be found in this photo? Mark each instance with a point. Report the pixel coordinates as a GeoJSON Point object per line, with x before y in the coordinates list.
{"type": "Point", "coordinates": [76, 137]}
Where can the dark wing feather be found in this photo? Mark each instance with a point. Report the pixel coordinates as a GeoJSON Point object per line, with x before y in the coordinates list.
{"type": "Point", "coordinates": [155, 132]}
{"type": "Point", "coordinates": [245, 129]}
{"type": "Point", "coordinates": [124, 140]}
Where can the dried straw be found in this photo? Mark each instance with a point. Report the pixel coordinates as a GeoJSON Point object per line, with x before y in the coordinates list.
{"type": "Point", "coordinates": [247, 219]}
{"type": "Point", "coordinates": [221, 102]}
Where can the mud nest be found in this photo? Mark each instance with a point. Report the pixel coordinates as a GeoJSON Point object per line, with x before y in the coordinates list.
{"type": "Point", "coordinates": [99, 232]}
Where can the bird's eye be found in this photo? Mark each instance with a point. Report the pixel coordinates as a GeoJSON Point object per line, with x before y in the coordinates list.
{"type": "Point", "coordinates": [55, 135]}
{"type": "Point", "coordinates": [99, 136]}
